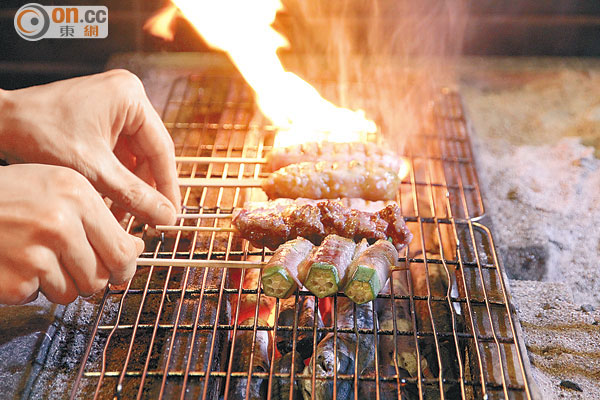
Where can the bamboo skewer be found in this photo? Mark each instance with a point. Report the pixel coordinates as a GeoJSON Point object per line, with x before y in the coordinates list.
{"type": "Point", "coordinates": [170, 262]}
{"type": "Point", "coordinates": [227, 160]}
{"type": "Point", "coordinates": [226, 183]}
{"type": "Point", "coordinates": [196, 216]}
{"type": "Point", "coordinates": [194, 228]}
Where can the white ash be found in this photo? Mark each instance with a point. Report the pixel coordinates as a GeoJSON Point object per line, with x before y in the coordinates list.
{"type": "Point", "coordinates": [547, 196]}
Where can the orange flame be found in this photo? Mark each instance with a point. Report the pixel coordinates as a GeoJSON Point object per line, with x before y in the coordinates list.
{"type": "Point", "coordinates": [161, 23]}
{"type": "Point", "coordinates": [243, 29]}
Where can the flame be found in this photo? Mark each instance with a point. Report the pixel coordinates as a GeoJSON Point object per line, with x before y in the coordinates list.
{"type": "Point", "coordinates": [243, 29]}
{"type": "Point", "coordinates": [161, 23]}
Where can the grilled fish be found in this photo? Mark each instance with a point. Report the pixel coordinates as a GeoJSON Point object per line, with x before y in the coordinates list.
{"type": "Point", "coordinates": [404, 346]}
{"type": "Point", "coordinates": [388, 389]}
{"type": "Point", "coordinates": [441, 316]}
{"type": "Point", "coordinates": [281, 385]}
{"type": "Point", "coordinates": [306, 319]}
{"type": "Point", "coordinates": [257, 390]}
{"type": "Point", "coordinates": [348, 345]}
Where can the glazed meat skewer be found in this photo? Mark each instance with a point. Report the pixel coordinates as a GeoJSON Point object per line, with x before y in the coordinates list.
{"type": "Point", "coordinates": [271, 224]}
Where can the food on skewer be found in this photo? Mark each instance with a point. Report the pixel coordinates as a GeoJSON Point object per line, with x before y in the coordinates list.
{"type": "Point", "coordinates": [330, 180]}
{"type": "Point", "coordinates": [280, 275]}
{"type": "Point", "coordinates": [369, 272]}
{"type": "Point", "coordinates": [347, 344]}
{"type": "Point", "coordinates": [327, 266]}
{"type": "Point", "coordinates": [338, 263]}
{"type": "Point", "coordinates": [306, 319]}
{"type": "Point", "coordinates": [330, 151]}
{"type": "Point", "coordinates": [270, 224]}
{"type": "Point", "coordinates": [281, 385]}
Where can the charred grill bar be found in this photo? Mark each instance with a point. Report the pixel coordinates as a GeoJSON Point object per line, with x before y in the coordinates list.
{"type": "Point", "coordinates": [171, 331]}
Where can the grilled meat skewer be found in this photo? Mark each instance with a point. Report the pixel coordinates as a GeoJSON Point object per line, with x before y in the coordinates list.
{"type": "Point", "coordinates": [273, 223]}
{"type": "Point", "coordinates": [330, 180]}
{"type": "Point", "coordinates": [347, 344]}
{"type": "Point", "coordinates": [306, 318]}
{"type": "Point", "coordinates": [327, 266]}
{"type": "Point", "coordinates": [280, 275]}
{"type": "Point", "coordinates": [330, 151]}
{"type": "Point", "coordinates": [369, 272]}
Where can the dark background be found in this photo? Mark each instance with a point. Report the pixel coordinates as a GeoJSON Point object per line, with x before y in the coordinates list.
{"type": "Point", "coordinates": [510, 27]}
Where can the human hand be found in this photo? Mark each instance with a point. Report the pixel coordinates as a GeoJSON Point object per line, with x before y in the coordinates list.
{"type": "Point", "coordinates": [104, 127]}
{"type": "Point", "coordinates": [57, 236]}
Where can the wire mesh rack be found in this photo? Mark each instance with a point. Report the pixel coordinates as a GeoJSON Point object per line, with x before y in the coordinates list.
{"type": "Point", "coordinates": [185, 327]}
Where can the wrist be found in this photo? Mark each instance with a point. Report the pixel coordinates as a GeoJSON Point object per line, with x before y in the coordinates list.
{"type": "Point", "coordinates": [8, 119]}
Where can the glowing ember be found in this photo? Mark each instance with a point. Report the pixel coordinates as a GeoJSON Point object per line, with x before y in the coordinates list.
{"type": "Point", "coordinates": [243, 29]}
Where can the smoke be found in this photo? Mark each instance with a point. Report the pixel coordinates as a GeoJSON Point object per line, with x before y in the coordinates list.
{"type": "Point", "coordinates": [386, 57]}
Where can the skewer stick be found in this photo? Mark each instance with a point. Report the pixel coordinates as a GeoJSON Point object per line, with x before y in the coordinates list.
{"type": "Point", "coordinates": [228, 183]}
{"type": "Point", "coordinates": [211, 216]}
{"type": "Point", "coordinates": [166, 262]}
{"type": "Point", "coordinates": [229, 160]}
{"type": "Point", "coordinates": [193, 228]}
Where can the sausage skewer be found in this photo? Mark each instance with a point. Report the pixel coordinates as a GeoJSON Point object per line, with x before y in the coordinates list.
{"type": "Point", "coordinates": [330, 180]}
{"type": "Point", "coordinates": [331, 151]}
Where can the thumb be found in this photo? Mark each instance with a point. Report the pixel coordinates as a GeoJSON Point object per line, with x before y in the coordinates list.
{"type": "Point", "coordinates": [133, 194]}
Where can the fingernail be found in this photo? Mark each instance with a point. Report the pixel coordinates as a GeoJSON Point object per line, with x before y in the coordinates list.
{"type": "Point", "coordinates": [166, 213]}
{"type": "Point", "coordinates": [31, 298]}
{"type": "Point", "coordinates": [139, 244]}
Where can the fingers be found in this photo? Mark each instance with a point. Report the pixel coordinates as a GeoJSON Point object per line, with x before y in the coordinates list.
{"type": "Point", "coordinates": [133, 194]}
{"type": "Point", "coordinates": [117, 250]}
{"type": "Point", "coordinates": [83, 264]}
{"type": "Point", "coordinates": [55, 282]}
{"type": "Point", "coordinates": [153, 141]}
{"type": "Point", "coordinates": [16, 290]}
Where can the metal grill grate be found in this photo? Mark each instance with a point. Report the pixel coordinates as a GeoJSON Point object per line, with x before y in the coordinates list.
{"type": "Point", "coordinates": [171, 332]}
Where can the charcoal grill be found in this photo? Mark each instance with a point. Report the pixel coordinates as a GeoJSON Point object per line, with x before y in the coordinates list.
{"type": "Point", "coordinates": [168, 332]}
